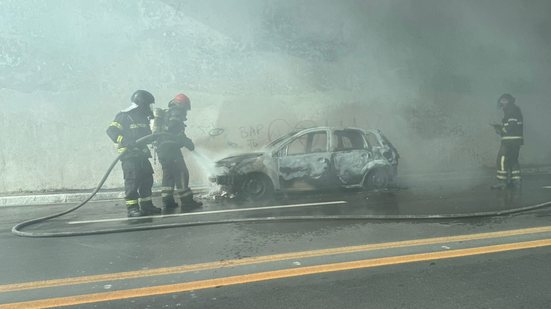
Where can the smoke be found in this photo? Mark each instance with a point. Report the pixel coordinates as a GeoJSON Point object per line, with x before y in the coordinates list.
{"type": "Point", "coordinates": [425, 72]}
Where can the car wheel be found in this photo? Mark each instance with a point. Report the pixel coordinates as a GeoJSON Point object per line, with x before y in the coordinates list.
{"type": "Point", "coordinates": [376, 179]}
{"type": "Point", "coordinates": [256, 187]}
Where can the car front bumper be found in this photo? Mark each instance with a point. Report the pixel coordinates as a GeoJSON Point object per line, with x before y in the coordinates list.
{"type": "Point", "coordinates": [223, 180]}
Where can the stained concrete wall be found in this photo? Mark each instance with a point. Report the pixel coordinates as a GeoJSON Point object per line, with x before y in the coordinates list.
{"type": "Point", "coordinates": [426, 72]}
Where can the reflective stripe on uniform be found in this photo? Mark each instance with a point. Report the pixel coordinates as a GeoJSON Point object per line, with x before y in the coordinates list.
{"type": "Point", "coordinates": [501, 172]}
{"type": "Point", "coordinates": [167, 191]}
{"type": "Point", "coordinates": [145, 199]}
{"type": "Point", "coordinates": [119, 139]}
{"type": "Point", "coordinates": [515, 177]}
{"type": "Point", "coordinates": [131, 202]}
{"type": "Point", "coordinates": [121, 150]}
{"type": "Point", "coordinates": [502, 163]}
{"type": "Point", "coordinates": [116, 125]}
{"type": "Point", "coordinates": [501, 177]}
{"type": "Point", "coordinates": [138, 125]}
{"type": "Point", "coordinates": [511, 137]}
{"type": "Point", "coordinates": [513, 119]}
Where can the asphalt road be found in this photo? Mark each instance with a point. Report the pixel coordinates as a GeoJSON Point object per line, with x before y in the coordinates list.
{"type": "Point", "coordinates": [488, 262]}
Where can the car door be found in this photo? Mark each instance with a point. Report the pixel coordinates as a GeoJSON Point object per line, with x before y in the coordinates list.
{"type": "Point", "coordinates": [304, 162]}
{"type": "Point", "coordinates": [351, 155]}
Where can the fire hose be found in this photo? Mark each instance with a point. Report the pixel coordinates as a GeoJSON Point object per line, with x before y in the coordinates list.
{"type": "Point", "coordinates": [17, 229]}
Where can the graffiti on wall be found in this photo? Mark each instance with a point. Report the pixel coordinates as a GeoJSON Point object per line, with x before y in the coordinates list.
{"type": "Point", "coordinates": [253, 136]}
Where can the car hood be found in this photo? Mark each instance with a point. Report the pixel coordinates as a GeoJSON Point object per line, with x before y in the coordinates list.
{"type": "Point", "coordinates": [238, 158]}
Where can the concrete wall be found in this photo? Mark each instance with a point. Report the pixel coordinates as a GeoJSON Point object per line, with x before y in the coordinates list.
{"type": "Point", "coordinates": [426, 72]}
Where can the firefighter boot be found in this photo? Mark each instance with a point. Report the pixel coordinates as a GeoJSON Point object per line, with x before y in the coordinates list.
{"type": "Point", "coordinates": [169, 205]}
{"type": "Point", "coordinates": [500, 185]}
{"type": "Point", "coordinates": [148, 209]}
{"type": "Point", "coordinates": [516, 179]}
{"type": "Point", "coordinates": [133, 211]}
{"type": "Point", "coordinates": [516, 184]}
{"type": "Point", "coordinates": [188, 203]}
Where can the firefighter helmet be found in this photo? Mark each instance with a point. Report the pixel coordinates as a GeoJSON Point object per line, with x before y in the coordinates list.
{"type": "Point", "coordinates": [180, 100]}
{"type": "Point", "coordinates": [142, 97]}
{"type": "Point", "coordinates": [507, 97]}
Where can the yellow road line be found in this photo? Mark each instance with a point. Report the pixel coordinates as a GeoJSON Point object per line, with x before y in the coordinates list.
{"type": "Point", "coordinates": [271, 275]}
{"type": "Point", "coordinates": [265, 259]}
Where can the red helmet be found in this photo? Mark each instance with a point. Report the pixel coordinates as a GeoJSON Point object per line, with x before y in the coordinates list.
{"type": "Point", "coordinates": [180, 100]}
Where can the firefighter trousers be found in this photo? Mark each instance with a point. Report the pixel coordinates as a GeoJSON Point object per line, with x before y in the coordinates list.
{"type": "Point", "coordinates": [508, 167]}
{"type": "Point", "coordinates": [138, 180]}
{"type": "Point", "coordinates": [175, 174]}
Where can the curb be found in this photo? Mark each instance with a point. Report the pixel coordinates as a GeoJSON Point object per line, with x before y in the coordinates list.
{"type": "Point", "coordinates": [70, 198]}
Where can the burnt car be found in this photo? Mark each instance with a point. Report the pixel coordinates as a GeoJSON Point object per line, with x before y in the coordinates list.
{"type": "Point", "coordinates": [311, 159]}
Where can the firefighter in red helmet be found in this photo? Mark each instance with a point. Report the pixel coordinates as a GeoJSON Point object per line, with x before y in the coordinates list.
{"type": "Point", "coordinates": [175, 183]}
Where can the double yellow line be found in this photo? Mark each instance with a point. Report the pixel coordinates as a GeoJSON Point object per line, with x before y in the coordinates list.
{"type": "Point", "coordinates": [270, 275]}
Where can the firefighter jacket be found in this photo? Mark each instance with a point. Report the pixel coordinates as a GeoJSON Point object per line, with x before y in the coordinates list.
{"type": "Point", "coordinates": [129, 126]}
{"type": "Point", "coordinates": [176, 139]}
{"type": "Point", "coordinates": [512, 131]}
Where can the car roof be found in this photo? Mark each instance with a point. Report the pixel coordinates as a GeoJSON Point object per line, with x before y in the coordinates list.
{"type": "Point", "coordinates": [332, 129]}
{"type": "Point", "coordinates": [292, 134]}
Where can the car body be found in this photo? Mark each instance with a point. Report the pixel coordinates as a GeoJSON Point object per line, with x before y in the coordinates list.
{"type": "Point", "coordinates": [311, 159]}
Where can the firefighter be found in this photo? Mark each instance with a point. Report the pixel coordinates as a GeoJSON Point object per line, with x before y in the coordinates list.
{"type": "Point", "coordinates": [512, 138]}
{"type": "Point", "coordinates": [175, 171]}
{"type": "Point", "coordinates": [130, 125]}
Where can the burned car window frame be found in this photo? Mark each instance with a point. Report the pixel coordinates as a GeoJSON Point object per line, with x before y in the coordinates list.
{"type": "Point", "coordinates": [284, 149]}
{"type": "Point", "coordinates": [275, 143]}
{"type": "Point", "coordinates": [339, 134]}
{"type": "Point", "coordinates": [376, 139]}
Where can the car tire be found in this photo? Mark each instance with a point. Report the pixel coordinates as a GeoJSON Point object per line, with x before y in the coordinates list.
{"type": "Point", "coordinates": [256, 186]}
{"type": "Point", "coordinates": [377, 179]}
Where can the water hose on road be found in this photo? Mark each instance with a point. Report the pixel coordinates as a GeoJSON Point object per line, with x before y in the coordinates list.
{"type": "Point", "coordinates": [17, 229]}
{"type": "Point", "coordinates": [286, 219]}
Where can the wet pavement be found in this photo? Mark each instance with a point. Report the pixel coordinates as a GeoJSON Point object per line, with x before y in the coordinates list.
{"type": "Point", "coordinates": [157, 259]}
{"type": "Point", "coordinates": [411, 200]}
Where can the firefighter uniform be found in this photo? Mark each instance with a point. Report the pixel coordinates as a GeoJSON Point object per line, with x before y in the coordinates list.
{"type": "Point", "coordinates": [175, 171]}
{"type": "Point", "coordinates": [129, 126]}
{"type": "Point", "coordinates": [512, 138]}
